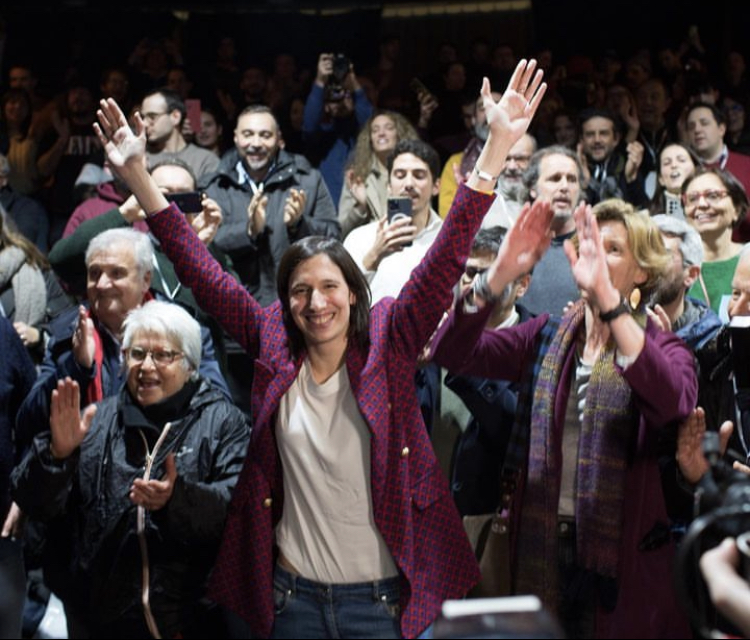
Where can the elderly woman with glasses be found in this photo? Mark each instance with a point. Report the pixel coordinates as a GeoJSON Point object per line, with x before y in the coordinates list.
{"type": "Point", "coordinates": [715, 203]}
{"type": "Point", "coordinates": [144, 479]}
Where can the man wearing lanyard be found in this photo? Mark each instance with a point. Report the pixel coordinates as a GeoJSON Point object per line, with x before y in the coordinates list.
{"type": "Point", "coordinates": [270, 198]}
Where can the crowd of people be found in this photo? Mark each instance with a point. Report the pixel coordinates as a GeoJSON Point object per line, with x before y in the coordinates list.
{"type": "Point", "coordinates": [241, 308]}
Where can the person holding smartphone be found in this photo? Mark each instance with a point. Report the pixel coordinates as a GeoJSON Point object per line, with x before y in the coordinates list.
{"type": "Point", "coordinates": [387, 250]}
{"type": "Point", "coordinates": [368, 520]}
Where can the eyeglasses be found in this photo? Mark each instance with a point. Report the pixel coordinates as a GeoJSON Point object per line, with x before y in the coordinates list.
{"type": "Point", "coordinates": [160, 357]}
{"type": "Point", "coordinates": [712, 196]}
{"type": "Point", "coordinates": [473, 272]}
{"type": "Point", "coordinates": [153, 117]}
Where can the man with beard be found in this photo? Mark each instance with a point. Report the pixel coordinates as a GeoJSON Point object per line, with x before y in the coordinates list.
{"type": "Point", "coordinates": [610, 171]}
{"type": "Point", "coordinates": [270, 198]}
{"type": "Point", "coordinates": [554, 175]}
{"type": "Point", "coordinates": [510, 190]}
{"type": "Point", "coordinates": [691, 320]}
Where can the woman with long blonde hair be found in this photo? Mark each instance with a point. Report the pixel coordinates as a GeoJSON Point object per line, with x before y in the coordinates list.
{"type": "Point", "coordinates": [365, 195]}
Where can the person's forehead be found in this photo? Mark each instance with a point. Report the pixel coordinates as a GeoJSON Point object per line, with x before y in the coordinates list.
{"type": "Point", "coordinates": [705, 181]}
{"type": "Point", "coordinates": [524, 146]}
{"type": "Point", "coordinates": [673, 151]}
{"type": "Point", "coordinates": [482, 258]}
{"type": "Point", "coordinates": [672, 243]}
{"type": "Point", "coordinates": [120, 253]}
{"type": "Point", "coordinates": [557, 163]}
{"type": "Point", "coordinates": [701, 113]}
{"type": "Point", "coordinates": [382, 120]}
{"type": "Point", "coordinates": [652, 89]}
{"type": "Point", "coordinates": [409, 162]}
{"type": "Point", "coordinates": [151, 338]}
{"type": "Point", "coordinates": [598, 123]}
{"type": "Point", "coordinates": [154, 101]}
{"type": "Point", "coordinates": [316, 268]}
{"type": "Point", "coordinates": [613, 230]}
{"type": "Point", "coordinates": [172, 177]}
{"type": "Point", "coordinates": [19, 73]}
{"type": "Point", "coordinates": [256, 122]}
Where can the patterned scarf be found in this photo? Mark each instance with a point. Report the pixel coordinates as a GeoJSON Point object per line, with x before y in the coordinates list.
{"type": "Point", "coordinates": [609, 424]}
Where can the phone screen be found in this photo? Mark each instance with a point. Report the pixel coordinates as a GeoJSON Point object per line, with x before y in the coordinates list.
{"type": "Point", "coordinates": [193, 108]}
{"type": "Point", "coordinates": [188, 201]}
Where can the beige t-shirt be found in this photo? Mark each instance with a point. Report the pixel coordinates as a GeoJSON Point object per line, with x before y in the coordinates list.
{"type": "Point", "coordinates": [327, 529]}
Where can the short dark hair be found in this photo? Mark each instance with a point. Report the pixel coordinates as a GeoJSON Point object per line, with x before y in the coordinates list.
{"type": "Point", "coordinates": [359, 320]}
{"type": "Point", "coordinates": [173, 100]}
{"type": "Point", "coordinates": [718, 115]}
{"type": "Point", "coordinates": [259, 108]}
{"type": "Point", "coordinates": [596, 112]}
{"type": "Point", "coordinates": [418, 148]}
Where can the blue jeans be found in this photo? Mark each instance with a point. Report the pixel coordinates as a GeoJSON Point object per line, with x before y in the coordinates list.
{"type": "Point", "coordinates": [308, 609]}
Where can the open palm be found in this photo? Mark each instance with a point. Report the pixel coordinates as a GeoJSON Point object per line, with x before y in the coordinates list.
{"type": "Point", "coordinates": [589, 263]}
{"type": "Point", "coordinates": [120, 143]}
{"type": "Point", "coordinates": [525, 242]}
{"type": "Point", "coordinates": [514, 111]}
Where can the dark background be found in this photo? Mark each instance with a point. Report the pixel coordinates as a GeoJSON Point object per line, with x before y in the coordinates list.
{"type": "Point", "coordinates": [49, 34]}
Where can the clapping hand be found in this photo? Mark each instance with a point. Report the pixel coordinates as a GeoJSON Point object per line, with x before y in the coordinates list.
{"type": "Point", "coordinates": [589, 263]}
{"type": "Point", "coordinates": [154, 494]}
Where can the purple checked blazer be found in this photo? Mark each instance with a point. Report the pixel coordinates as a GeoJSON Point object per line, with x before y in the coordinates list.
{"type": "Point", "coordinates": [412, 505]}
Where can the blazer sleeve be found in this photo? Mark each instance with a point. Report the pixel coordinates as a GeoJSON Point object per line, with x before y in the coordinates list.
{"type": "Point", "coordinates": [663, 378]}
{"type": "Point", "coordinates": [216, 291]}
{"type": "Point", "coordinates": [463, 345]}
{"type": "Point", "coordinates": [429, 290]}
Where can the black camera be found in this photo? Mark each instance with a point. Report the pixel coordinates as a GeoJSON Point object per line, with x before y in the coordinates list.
{"type": "Point", "coordinates": [341, 66]}
{"type": "Point", "coordinates": [335, 91]}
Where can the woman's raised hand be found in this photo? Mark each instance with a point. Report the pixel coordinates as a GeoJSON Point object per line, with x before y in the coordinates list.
{"type": "Point", "coordinates": [512, 114]}
{"type": "Point", "coordinates": [589, 263]}
{"type": "Point", "coordinates": [523, 245]}
{"type": "Point", "coordinates": [67, 426]}
{"type": "Point", "coordinates": [122, 146]}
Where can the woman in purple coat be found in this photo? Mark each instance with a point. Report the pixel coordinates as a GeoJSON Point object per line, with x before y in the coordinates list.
{"type": "Point", "coordinates": [341, 524]}
{"type": "Point", "coordinates": [603, 387]}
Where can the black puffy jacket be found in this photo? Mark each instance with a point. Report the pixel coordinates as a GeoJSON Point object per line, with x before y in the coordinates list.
{"type": "Point", "coordinates": [87, 496]}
